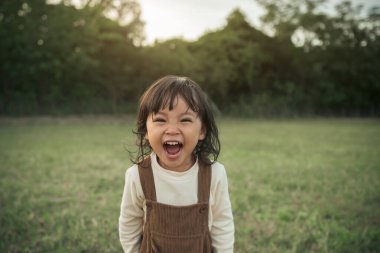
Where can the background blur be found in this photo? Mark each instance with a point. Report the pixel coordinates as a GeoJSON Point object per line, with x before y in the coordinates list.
{"type": "Point", "coordinates": [297, 92]}
{"type": "Point", "coordinates": [92, 56]}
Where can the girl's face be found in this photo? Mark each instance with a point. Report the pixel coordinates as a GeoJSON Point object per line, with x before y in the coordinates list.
{"type": "Point", "coordinates": [173, 135]}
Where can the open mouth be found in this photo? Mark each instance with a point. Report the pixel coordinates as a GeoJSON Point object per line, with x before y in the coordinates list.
{"type": "Point", "coordinates": [172, 147]}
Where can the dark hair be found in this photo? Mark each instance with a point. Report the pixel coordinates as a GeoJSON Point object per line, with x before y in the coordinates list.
{"type": "Point", "coordinates": [163, 93]}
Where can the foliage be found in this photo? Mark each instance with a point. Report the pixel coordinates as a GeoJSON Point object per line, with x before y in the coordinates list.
{"type": "Point", "coordinates": [57, 56]}
{"type": "Point", "coordinates": [338, 55]}
{"type": "Point", "coordinates": [90, 58]}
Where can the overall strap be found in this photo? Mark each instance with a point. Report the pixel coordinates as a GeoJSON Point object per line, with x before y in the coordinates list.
{"type": "Point", "coordinates": [147, 179]}
{"type": "Point", "coordinates": [204, 182]}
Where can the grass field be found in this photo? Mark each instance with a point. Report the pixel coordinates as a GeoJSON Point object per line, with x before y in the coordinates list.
{"type": "Point", "coordinates": [307, 185]}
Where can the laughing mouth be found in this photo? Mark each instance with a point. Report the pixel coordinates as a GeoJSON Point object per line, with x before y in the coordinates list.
{"type": "Point", "coordinates": [172, 147]}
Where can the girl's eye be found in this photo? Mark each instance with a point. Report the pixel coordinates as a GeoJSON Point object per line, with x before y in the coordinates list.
{"type": "Point", "coordinates": [186, 120]}
{"type": "Point", "coordinates": [159, 120]}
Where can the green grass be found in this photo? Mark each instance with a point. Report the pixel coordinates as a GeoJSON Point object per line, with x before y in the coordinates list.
{"type": "Point", "coordinates": [296, 185]}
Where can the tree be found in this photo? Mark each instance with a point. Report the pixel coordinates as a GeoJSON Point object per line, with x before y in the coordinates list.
{"type": "Point", "coordinates": [61, 57]}
{"type": "Point", "coordinates": [233, 60]}
{"type": "Point", "coordinates": [336, 69]}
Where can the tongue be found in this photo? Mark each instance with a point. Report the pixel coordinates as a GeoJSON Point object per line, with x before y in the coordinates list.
{"type": "Point", "coordinates": [173, 149]}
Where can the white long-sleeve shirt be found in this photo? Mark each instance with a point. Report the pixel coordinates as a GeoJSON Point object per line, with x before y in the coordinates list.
{"type": "Point", "coordinates": [179, 189]}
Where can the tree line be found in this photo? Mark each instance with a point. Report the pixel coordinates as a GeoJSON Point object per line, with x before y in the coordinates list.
{"type": "Point", "coordinates": [64, 59]}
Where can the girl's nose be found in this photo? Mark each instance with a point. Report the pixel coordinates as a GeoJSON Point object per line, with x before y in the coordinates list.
{"type": "Point", "coordinates": [172, 129]}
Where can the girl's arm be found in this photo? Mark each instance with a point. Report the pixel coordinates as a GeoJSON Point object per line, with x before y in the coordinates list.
{"type": "Point", "coordinates": [132, 213]}
{"type": "Point", "coordinates": [222, 228]}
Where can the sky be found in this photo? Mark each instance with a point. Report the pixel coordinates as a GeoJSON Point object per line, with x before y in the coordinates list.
{"type": "Point", "coordinates": [189, 19]}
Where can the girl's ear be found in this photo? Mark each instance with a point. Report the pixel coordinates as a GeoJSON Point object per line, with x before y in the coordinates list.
{"type": "Point", "coordinates": [202, 134]}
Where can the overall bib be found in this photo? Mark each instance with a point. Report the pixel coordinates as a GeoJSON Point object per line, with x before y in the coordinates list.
{"type": "Point", "coordinates": [175, 229]}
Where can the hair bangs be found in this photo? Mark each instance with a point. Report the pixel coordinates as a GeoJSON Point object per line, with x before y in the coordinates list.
{"type": "Point", "coordinates": [166, 96]}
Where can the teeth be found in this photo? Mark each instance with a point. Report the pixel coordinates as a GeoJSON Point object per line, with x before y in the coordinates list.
{"type": "Point", "coordinates": [172, 142]}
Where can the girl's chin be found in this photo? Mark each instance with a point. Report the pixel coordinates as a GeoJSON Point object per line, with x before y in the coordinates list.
{"type": "Point", "coordinates": [174, 162]}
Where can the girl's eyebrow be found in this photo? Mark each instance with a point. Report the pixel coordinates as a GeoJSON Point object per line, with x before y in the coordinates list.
{"type": "Point", "coordinates": [188, 112]}
{"type": "Point", "coordinates": [157, 114]}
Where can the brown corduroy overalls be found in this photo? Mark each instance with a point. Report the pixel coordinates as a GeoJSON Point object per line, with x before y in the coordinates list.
{"type": "Point", "coordinates": [175, 229]}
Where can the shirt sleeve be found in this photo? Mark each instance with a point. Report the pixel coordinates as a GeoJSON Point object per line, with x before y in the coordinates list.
{"type": "Point", "coordinates": [131, 213]}
{"type": "Point", "coordinates": [222, 228]}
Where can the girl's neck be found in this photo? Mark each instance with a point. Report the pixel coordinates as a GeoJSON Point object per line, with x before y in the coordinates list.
{"type": "Point", "coordinates": [182, 169]}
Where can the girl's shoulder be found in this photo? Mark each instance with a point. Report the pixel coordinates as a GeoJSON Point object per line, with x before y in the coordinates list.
{"type": "Point", "coordinates": [133, 173]}
{"type": "Point", "coordinates": [218, 171]}
{"type": "Point", "coordinates": [217, 166]}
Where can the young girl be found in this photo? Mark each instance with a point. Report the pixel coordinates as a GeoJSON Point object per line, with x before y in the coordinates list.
{"type": "Point", "coordinates": [175, 198]}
